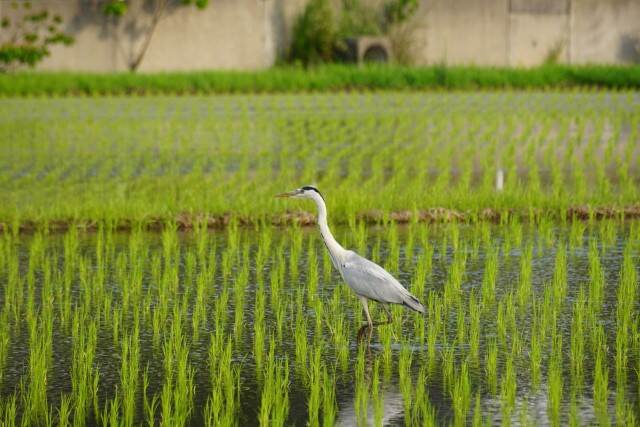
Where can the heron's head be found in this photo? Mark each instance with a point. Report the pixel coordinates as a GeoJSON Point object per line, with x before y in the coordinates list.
{"type": "Point", "coordinates": [306, 192]}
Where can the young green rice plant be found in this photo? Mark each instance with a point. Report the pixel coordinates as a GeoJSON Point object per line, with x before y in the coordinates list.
{"type": "Point", "coordinates": [129, 373]}
{"type": "Point", "coordinates": [199, 314]}
{"type": "Point", "coordinates": [523, 292]}
{"type": "Point", "coordinates": [9, 411]}
{"type": "Point", "coordinates": [329, 406]}
{"type": "Point", "coordinates": [559, 281]}
{"type": "Point", "coordinates": [301, 338]}
{"type": "Point", "coordinates": [422, 270]}
{"type": "Point", "coordinates": [452, 287]}
{"type": "Point", "coordinates": [501, 324]}
{"type": "Point", "coordinates": [362, 390]}
{"type": "Point", "coordinates": [409, 244]}
{"type": "Point", "coordinates": [423, 412]}
{"type": "Point", "coordinates": [314, 375]}
{"type": "Point", "coordinates": [448, 367]}
{"type": "Point", "coordinates": [223, 402]}
{"type": "Point", "coordinates": [337, 328]}
{"type": "Point", "coordinates": [111, 411]}
{"type": "Point", "coordinates": [624, 324]}
{"type": "Point", "coordinates": [477, 412]}
{"type": "Point", "coordinates": [434, 310]}
{"type": "Point", "coordinates": [360, 236]}
{"type": "Point", "coordinates": [84, 377]}
{"type": "Point", "coordinates": [548, 312]}
{"type": "Point", "coordinates": [406, 383]}
{"type": "Point", "coordinates": [576, 234]}
{"type": "Point", "coordinates": [508, 390]}
{"type": "Point", "coordinates": [64, 411]}
{"type": "Point", "coordinates": [596, 275]}
{"type": "Point", "coordinates": [40, 357]}
{"type": "Point", "coordinates": [608, 233]}
{"type": "Point", "coordinates": [392, 260]}
{"type": "Point", "coordinates": [150, 405]}
{"type": "Point", "coordinates": [4, 342]}
{"type": "Point", "coordinates": [555, 381]}
{"type": "Point", "coordinates": [461, 395]}
{"type": "Point", "coordinates": [535, 352]}
{"type": "Point", "coordinates": [258, 332]}
{"type": "Point", "coordinates": [274, 402]}
{"type": "Point", "coordinates": [489, 278]}
{"type": "Point", "coordinates": [475, 310]}
{"type": "Point", "coordinates": [574, 413]}
{"type": "Point", "coordinates": [511, 323]}
{"type": "Point", "coordinates": [294, 254]}
{"type": "Point", "coordinates": [377, 394]}
{"type": "Point", "coordinates": [178, 387]}
{"type": "Point", "coordinates": [545, 232]}
{"type": "Point", "coordinates": [239, 296]}
{"type": "Point", "coordinates": [600, 377]}
{"type": "Point", "coordinates": [577, 355]}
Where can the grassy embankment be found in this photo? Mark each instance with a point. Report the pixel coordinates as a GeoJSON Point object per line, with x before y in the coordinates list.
{"type": "Point", "coordinates": [322, 79]}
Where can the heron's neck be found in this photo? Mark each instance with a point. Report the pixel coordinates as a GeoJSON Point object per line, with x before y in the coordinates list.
{"type": "Point", "coordinates": [335, 249]}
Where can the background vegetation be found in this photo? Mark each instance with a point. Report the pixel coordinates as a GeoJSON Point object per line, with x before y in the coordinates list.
{"type": "Point", "coordinates": [318, 79]}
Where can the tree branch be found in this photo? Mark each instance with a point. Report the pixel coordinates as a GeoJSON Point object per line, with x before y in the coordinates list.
{"type": "Point", "coordinates": [157, 14]}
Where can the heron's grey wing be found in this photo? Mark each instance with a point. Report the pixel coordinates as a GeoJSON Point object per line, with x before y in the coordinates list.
{"type": "Point", "coordinates": [370, 280]}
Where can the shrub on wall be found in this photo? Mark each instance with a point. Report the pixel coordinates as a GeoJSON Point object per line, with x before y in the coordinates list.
{"type": "Point", "coordinates": [26, 37]}
{"type": "Point", "coordinates": [316, 37]}
{"type": "Point", "coordinates": [314, 34]}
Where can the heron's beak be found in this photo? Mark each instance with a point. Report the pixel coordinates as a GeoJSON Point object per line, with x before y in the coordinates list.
{"type": "Point", "coordinates": [287, 194]}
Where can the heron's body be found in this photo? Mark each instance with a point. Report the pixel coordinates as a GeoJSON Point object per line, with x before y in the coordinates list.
{"type": "Point", "coordinates": [367, 279]}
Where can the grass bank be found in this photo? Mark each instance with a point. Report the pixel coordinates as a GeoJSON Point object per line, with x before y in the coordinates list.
{"type": "Point", "coordinates": [326, 78]}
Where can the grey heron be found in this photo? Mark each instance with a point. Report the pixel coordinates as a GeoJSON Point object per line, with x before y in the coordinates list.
{"type": "Point", "coordinates": [367, 279]}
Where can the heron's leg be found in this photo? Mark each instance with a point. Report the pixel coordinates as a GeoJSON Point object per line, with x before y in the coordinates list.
{"type": "Point", "coordinates": [389, 317]}
{"type": "Point", "coordinates": [363, 300]}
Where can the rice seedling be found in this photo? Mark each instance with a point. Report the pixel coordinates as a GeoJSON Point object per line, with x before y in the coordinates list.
{"type": "Point", "coordinates": [377, 395]}
{"type": "Point", "coordinates": [461, 395]}
{"type": "Point", "coordinates": [535, 353]}
{"type": "Point", "coordinates": [491, 366]}
{"type": "Point", "coordinates": [489, 279]}
{"type": "Point", "coordinates": [523, 291]}
{"type": "Point", "coordinates": [555, 380]}
{"type": "Point", "coordinates": [223, 403]}
{"type": "Point", "coordinates": [275, 395]}
{"type": "Point", "coordinates": [508, 390]}
{"type": "Point", "coordinates": [600, 378]}
{"type": "Point", "coordinates": [176, 401]}
{"type": "Point", "coordinates": [329, 405]}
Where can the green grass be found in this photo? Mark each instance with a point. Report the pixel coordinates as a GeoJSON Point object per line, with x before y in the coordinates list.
{"type": "Point", "coordinates": [139, 162]}
{"type": "Point", "coordinates": [321, 79]}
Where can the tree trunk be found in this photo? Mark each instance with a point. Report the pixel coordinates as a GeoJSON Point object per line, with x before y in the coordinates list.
{"type": "Point", "coordinates": [157, 14]}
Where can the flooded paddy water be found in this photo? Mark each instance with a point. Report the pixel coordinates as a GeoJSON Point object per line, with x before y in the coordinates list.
{"type": "Point", "coordinates": [527, 323]}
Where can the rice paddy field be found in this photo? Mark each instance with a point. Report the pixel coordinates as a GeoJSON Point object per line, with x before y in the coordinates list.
{"type": "Point", "coordinates": [149, 277]}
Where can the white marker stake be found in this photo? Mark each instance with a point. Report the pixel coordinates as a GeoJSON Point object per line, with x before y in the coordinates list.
{"type": "Point", "coordinates": [499, 180]}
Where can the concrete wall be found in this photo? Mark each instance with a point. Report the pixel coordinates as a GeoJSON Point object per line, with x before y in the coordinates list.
{"type": "Point", "coordinates": [527, 32]}
{"type": "Point", "coordinates": [252, 34]}
{"type": "Point", "coordinates": [463, 32]}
